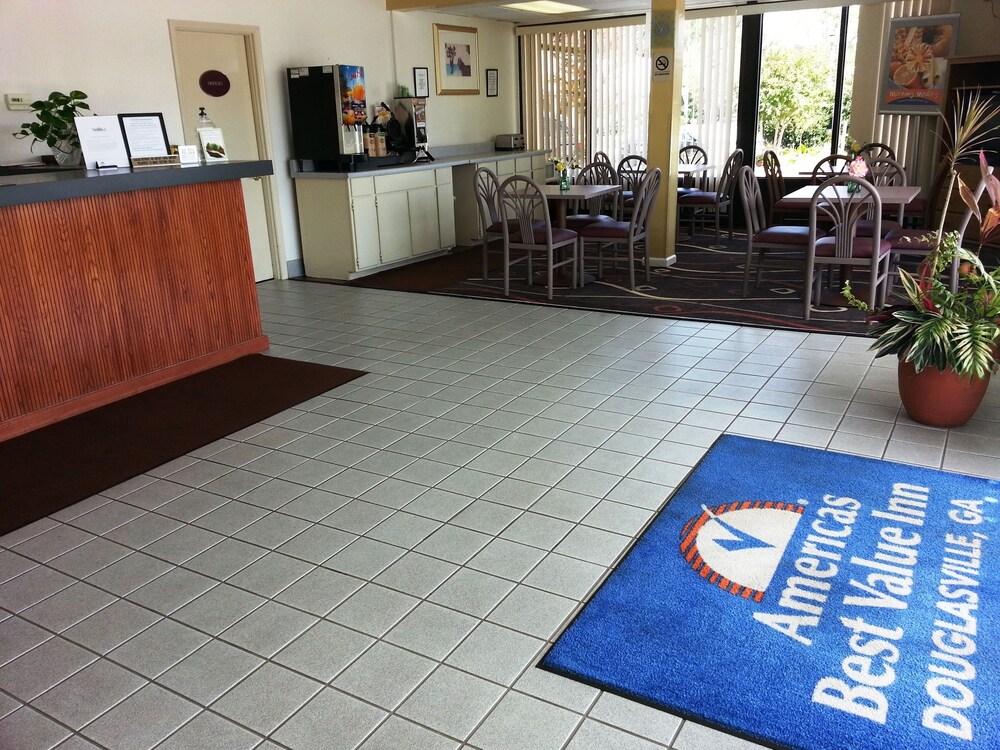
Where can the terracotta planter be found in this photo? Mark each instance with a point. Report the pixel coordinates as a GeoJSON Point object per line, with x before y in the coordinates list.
{"type": "Point", "coordinates": [939, 398]}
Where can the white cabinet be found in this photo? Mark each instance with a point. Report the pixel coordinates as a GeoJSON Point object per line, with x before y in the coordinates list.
{"type": "Point", "coordinates": [355, 224]}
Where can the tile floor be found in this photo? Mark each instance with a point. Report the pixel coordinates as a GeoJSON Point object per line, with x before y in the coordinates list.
{"type": "Point", "coordinates": [382, 566]}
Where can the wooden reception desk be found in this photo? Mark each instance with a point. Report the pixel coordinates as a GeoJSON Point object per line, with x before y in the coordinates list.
{"type": "Point", "coordinates": [112, 284]}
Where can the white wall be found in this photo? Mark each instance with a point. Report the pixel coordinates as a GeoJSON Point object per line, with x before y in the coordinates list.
{"type": "Point", "coordinates": [118, 52]}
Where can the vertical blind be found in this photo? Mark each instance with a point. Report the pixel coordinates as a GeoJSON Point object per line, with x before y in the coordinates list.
{"type": "Point", "coordinates": [709, 85]}
{"type": "Point", "coordinates": [586, 90]}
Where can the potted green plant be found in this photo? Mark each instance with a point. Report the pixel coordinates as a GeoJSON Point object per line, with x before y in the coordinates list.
{"type": "Point", "coordinates": [947, 342]}
{"type": "Point", "coordinates": [54, 125]}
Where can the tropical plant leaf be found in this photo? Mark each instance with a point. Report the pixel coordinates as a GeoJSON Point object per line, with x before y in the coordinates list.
{"type": "Point", "coordinates": [970, 198]}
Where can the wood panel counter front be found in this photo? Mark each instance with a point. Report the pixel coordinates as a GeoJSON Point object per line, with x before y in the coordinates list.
{"type": "Point", "coordinates": [113, 286]}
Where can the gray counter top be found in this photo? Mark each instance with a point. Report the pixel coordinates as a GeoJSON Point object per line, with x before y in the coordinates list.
{"type": "Point", "coordinates": [39, 187]}
{"type": "Point", "coordinates": [442, 161]}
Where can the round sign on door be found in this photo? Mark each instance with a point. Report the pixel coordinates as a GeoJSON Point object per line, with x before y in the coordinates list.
{"type": "Point", "coordinates": [214, 83]}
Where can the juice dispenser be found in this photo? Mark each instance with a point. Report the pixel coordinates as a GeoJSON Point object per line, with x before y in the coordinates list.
{"type": "Point", "coordinates": [328, 111]}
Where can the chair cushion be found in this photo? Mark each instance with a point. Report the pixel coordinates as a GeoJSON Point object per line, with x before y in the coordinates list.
{"type": "Point", "coordinates": [606, 230]}
{"type": "Point", "coordinates": [866, 226]}
{"type": "Point", "coordinates": [698, 198]}
{"type": "Point", "coordinates": [538, 236]}
{"type": "Point", "coordinates": [785, 235]}
{"type": "Point", "coordinates": [579, 221]}
{"type": "Point", "coordinates": [497, 226]}
{"type": "Point", "coordinates": [783, 204]}
{"type": "Point", "coordinates": [826, 247]}
{"type": "Point", "coordinates": [909, 239]}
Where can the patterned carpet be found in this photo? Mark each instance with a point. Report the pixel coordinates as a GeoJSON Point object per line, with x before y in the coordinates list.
{"type": "Point", "coordinates": [705, 284]}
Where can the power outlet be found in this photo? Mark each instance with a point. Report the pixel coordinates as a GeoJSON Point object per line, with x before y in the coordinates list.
{"type": "Point", "coordinates": [17, 101]}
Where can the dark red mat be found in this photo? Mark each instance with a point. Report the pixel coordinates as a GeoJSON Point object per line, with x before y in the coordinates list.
{"type": "Point", "coordinates": [53, 467]}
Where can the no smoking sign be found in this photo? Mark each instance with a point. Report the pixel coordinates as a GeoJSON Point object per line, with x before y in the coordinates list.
{"type": "Point", "coordinates": [663, 65]}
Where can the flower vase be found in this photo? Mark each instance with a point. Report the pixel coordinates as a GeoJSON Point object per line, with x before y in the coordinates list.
{"type": "Point", "coordinates": [564, 181]}
{"type": "Point", "coordinates": [852, 187]}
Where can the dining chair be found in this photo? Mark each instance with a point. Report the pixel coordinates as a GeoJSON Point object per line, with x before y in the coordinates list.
{"type": "Point", "coordinates": [761, 235]}
{"type": "Point", "coordinates": [527, 228]}
{"type": "Point", "coordinates": [915, 244]}
{"type": "Point", "coordinates": [623, 239]}
{"type": "Point", "coordinates": [883, 172]}
{"type": "Point", "coordinates": [835, 202]}
{"type": "Point", "coordinates": [691, 155]}
{"type": "Point", "coordinates": [630, 172]}
{"type": "Point", "coordinates": [830, 166]}
{"type": "Point", "coordinates": [602, 158]}
{"type": "Point", "coordinates": [878, 151]}
{"type": "Point", "coordinates": [714, 201]}
{"type": "Point", "coordinates": [602, 208]}
{"type": "Point", "coordinates": [487, 186]}
{"type": "Point", "coordinates": [776, 205]}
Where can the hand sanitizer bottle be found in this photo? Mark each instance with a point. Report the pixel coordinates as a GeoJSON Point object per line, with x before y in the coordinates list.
{"type": "Point", "coordinates": [203, 122]}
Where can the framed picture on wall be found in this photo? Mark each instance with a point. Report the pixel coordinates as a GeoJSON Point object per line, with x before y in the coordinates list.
{"type": "Point", "coordinates": [456, 59]}
{"type": "Point", "coordinates": [421, 82]}
{"type": "Point", "coordinates": [915, 70]}
{"type": "Point", "coordinates": [492, 82]}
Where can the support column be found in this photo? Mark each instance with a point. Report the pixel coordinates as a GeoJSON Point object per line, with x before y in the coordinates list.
{"type": "Point", "coordinates": [664, 125]}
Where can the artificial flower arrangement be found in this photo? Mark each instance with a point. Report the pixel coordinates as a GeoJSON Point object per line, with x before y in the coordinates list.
{"type": "Point", "coordinates": [562, 167]}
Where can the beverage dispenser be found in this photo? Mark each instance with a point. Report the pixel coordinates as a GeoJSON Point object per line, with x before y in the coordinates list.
{"type": "Point", "coordinates": [328, 109]}
{"type": "Point", "coordinates": [411, 113]}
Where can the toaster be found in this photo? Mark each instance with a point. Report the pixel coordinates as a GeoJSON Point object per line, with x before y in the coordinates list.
{"type": "Point", "coordinates": [509, 142]}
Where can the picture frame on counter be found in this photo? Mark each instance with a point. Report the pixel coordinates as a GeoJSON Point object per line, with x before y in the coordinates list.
{"type": "Point", "coordinates": [145, 134]}
{"type": "Point", "coordinates": [492, 82]}
{"type": "Point", "coordinates": [456, 59]}
{"type": "Point", "coordinates": [421, 82]}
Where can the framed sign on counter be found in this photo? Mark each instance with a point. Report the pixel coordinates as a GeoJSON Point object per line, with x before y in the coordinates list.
{"type": "Point", "coordinates": [145, 134]}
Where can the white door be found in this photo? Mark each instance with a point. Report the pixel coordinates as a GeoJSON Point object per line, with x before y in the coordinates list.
{"type": "Point", "coordinates": [195, 53]}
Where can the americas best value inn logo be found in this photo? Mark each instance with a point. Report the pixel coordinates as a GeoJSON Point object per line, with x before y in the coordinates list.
{"type": "Point", "coordinates": [738, 547]}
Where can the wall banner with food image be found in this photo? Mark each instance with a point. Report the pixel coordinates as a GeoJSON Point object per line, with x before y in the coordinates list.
{"type": "Point", "coordinates": [915, 75]}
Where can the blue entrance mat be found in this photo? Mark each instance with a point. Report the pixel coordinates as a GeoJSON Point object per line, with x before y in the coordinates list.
{"type": "Point", "coordinates": [807, 599]}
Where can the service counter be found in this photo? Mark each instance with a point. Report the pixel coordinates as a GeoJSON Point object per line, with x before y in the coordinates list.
{"type": "Point", "coordinates": [116, 282]}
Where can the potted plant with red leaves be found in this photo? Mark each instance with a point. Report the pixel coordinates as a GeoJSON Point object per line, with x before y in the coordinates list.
{"type": "Point", "coordinates": [948, 342]}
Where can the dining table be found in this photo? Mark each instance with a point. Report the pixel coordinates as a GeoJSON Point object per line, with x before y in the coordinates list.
{"type": "Point", "coordinates": [687, 172]}
{"type": "Point", "coordinates": [891, 195]}
{"type": "Point", "coordinates": [558, 199]}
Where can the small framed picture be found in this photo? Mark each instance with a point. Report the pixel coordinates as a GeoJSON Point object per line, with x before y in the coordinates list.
{"type": "Point", "coordinates": [492, 82]}
{"type": "Point", "coordinates": [145, 134]}
{"type": "Point", "coordinates": [421, 82]}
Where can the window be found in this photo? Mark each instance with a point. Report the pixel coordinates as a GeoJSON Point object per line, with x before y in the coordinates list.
{"type": "Point", "coordinates": [587, 89]}
{"type": "Point", "coordinates": [798, 85]}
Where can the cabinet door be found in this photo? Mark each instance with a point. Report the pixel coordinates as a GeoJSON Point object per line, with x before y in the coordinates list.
{"type": "Point", "coordinates": [446, 205]}
{"type": "Point", "coordinates": [446, 215]}
{"type": "Point", "coordinates": [424, 221]}
{"type": "Point", "coordinates": [394, 226]}
{"type": "Point", "coordinates": [366, 240]}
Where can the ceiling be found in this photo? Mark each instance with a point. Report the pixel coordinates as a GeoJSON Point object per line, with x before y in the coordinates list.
{"type": "Point", "coordinates": [594, 7]}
